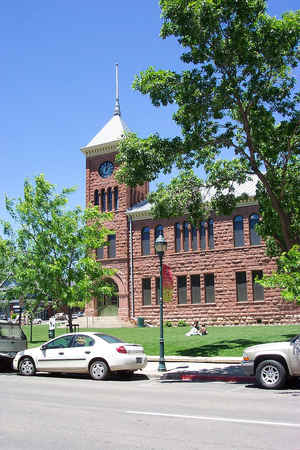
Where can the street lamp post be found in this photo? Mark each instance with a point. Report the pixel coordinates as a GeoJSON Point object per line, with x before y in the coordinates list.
{"type": "Point", "coordinates": [160, 247]}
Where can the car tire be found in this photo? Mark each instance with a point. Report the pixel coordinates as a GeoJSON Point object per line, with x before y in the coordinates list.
{"type": "Point", "coordinates": [99, 370]}
{"type": "Point", "coordinates": [271, 374]}
{"type": "Point", "coordinates": [26, 367]}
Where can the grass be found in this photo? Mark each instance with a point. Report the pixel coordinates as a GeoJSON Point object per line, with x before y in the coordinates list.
{"type": "Point", "coordinates": [220, 341]}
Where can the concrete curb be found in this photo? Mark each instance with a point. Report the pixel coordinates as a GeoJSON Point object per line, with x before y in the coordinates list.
{"type": "Point", "coordinates": [196, 376]}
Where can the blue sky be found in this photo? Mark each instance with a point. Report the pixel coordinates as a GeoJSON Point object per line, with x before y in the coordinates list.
{"type": "Point", "coordinates": [57, 84]}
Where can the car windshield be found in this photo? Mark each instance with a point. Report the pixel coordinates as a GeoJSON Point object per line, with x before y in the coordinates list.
{"type": "Point", "coordinates": [108, 338]}
{"type": "Point", "coordinates": [8, 331]}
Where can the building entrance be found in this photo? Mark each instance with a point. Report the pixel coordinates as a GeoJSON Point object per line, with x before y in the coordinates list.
{"type": "Point", "coordinates": [109, 304]}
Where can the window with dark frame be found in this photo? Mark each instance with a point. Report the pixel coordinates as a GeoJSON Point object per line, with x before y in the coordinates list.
{"type": "Point", "coordinates": [103, 200]}
{"type": "Point", "coordinates": [96, 197]}
{"type": "Point", "coordinates": [258, 289]}
{"type": "Point", "coordinates": [177, 233]}
{"type": "Point", "coordinates": [112, 246]}
{"type": "Point", "coordinates": [202, 236]}
{"type": "Point", "coordinates": [181, 289]}
{"type": "Point", "coordinates": [238, 231]}
{"type": "Point", "coordinates": [100, 252]}
{"type": "Point", "coordinates": [146, 241]}
{"type": "Point", "coordinates": [241, 286]}
{"type": "Point", "coordinates": [210, 232]}
{"type": "Point", "coordinates": [194, 233]}
{"type": "Point", "coordinates": [255, 238]}
{"type": "Point", "coordinates": [209, 281]}
{"type": "Point", "coordinates": [195, 289]}
{"type": "Point", "coordinates": [109, 199]}
{"type": "Point", "coordinates": [146, 291]}
{"type": "Point", "coordinates": [185, 230]}
{"type": "Point", "coordinates": [116, 198]}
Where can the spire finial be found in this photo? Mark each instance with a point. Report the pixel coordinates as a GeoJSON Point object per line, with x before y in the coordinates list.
{"type": "Point", "coordinates": [117, 111]}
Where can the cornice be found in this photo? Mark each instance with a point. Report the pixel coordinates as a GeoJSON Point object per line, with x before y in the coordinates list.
{"type": "Point", "coordinates": [100, 149]}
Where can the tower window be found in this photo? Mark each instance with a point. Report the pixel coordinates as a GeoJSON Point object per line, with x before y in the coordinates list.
{"type": "Point", "coordinates": [241, 286]}
{"type": "Point", "coordinates": [209, 280]}
{"type": "Point", "coordinates": [103, 200]}
{"type": "Point", "coordinates": [181, 287]}
{"type": "Point", "coordinates": [210, 230]}
{"type": "Point", "coordinates": [202, 236]}
{"type": "Point", "coordinates": [96, 197]}
{"type": "Point", "coordinates": [177, 233]}
{"type": "Point", "coordinates": [238, 231]}
{"type": "Point", "coordinates": [258, 289]}
{"type": "Point", "coordinates": [194, 238]}
{"type": "Point", "coordinates": [146, 241]}
{"type": "Point", "coordinates": [146, 289]}
{"type": "Point", "coordinates": [116, 198]}
{"type": "Point", "coordinates": [185, 236]}
{"type": "Point", "coordinates": [112, 246]}
{"type": "Point", "coordinates": [109, 199]}
{"type": "Point", "coordinates": [195, 288]}
{"type": "Point", "coordinates": [254, 236]}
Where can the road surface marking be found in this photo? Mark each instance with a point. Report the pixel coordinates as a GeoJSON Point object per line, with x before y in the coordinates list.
{"type": "Point", "coordinates": [218, 419]}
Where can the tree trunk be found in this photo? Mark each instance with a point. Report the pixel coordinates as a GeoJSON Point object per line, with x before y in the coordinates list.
{"type": "Point", "coordinates": [70, 320]}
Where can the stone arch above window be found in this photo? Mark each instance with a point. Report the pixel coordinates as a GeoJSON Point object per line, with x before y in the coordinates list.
{"type": "Point", "coordinates": [238, 231]}
{"type": "Point", "coordinates": [145, 241]}
{"type": "Point", "coordinates": [255, 238]}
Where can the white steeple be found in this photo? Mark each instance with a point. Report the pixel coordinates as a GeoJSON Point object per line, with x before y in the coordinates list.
{"type": "Point", "coordinates": [111, 133]}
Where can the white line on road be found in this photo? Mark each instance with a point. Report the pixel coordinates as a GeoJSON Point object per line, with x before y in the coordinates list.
{"type": "Point", "coordinates": [218, 419]}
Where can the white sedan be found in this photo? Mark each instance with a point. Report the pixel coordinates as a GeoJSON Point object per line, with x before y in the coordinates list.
{"type": "Point", "coordinates": [95, 353]}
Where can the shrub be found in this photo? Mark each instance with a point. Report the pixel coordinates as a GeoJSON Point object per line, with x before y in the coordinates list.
{"type": "Point", "coordinates": [168, 323]}
{"type": "Point", "coordinates": [182, 323]}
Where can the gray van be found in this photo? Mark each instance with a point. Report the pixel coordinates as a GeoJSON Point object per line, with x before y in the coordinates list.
{"type": "Point", "coordinates": [12, 341]}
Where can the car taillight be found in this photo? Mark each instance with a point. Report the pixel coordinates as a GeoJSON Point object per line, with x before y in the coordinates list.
{"type": "Point", "coordinates": [121, 349]}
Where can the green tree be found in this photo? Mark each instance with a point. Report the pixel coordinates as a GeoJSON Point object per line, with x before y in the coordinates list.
{"type": "Point", "coordinates": [237, 110]}
{"type": "Point", "coordinates": [51, 249]}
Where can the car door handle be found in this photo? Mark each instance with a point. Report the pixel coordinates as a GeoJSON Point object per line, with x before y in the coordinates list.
{"type": "Point", "coordinates": [61, 353]}
{"type": "Point", "coordinates": [87, 352]}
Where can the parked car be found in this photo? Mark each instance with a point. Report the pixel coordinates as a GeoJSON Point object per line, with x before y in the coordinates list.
{"type": "Point", "coordinates": [272, 363]}
{"type": "Point", "coordinates": [12, 340]}
{"type": "Point", "coordinates": [95, 353]}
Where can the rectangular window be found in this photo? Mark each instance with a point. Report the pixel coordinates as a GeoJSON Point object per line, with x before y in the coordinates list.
{"type": "Point", "coordinates": [181, 287]}
{"type": "Point", "coordinates": [157, 290]}
{"type": "Point", "coordinates": [209, 280]}
{"type": "Point", "coordinates": [202, 236]}
{"type": "Point", "coordinates": [194, 238]}
{"type": "Point", "coordinates": [258, 289]}
{"type": "Point", "coordinates": [100, 253]}
{"type": "Point", "coordinates": [195, 288]}
{"type": "Point", "coordinates": [241, 286]}
{"type": "Point", "coordinates": [146, 288]}
{"type": "Point", "coordinates": [112, 246]}
{"type": "Point", "coordinates": [177, 237]}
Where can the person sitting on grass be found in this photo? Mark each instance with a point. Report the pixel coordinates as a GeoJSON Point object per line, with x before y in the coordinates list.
{"type": "Point", "coordinates": [195, 329]}
{"type": "Point", "coordinates": [203, 330]}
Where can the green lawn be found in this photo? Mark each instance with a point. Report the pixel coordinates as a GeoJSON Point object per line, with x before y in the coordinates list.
{"type": "Point", "coordinates": [220, 341]}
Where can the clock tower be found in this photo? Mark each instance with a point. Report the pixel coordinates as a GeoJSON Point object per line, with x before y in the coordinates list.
{"type": "Point", "coordinates": [103, 190]}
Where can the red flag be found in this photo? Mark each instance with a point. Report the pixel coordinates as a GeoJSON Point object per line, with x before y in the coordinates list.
{"type": "Point", "coordinates": [167, 283]}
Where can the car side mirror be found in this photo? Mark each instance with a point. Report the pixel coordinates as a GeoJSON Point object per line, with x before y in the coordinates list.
{"type": "Point", "coordinates": [43, 347]}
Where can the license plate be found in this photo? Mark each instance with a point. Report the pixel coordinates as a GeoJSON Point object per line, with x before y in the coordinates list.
{"type": "Point", "coordinates": [139, 360]}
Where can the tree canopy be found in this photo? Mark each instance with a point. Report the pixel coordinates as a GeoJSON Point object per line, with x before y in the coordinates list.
{"type": "Point", "coordinates": [237, 110]}
{"type": "Point", "coordinates": [49, 249]}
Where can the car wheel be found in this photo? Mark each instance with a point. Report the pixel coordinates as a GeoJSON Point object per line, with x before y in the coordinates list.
{"type": "Point", "coordinates": [271, 374]}
{"type": "Point", "coordinates": [99, 370]}
{"type": "Point", "coordinates": [26, 367]}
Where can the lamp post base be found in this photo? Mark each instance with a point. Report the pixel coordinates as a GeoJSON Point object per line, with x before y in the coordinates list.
{"type": "Point", "coordinates": [162, 366]}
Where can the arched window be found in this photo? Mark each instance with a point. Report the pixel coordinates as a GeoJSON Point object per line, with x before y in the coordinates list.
{"type": "Point", "coordinates": [177, 233]}
{"type": "Point", "coordinates": [96, 197]}
{"type": "Point", "coordinates": [254, 236]}
{"type": "Point", "coordinates": [194, 233]}
{"type": "Point", "coordinates": [210, 231]}
{"type": "Point", "coordinates": [109, 199]}
{"type": "Point", "coordinates": [146, 241]}
{"type": "Point", "coordinates": [202, 236]}
{"type": "Point", "coordinates": [238, 231]}
{"type": "Point", "coordinates": [103, 200]}
{"type": "Point", "coordinates": [116, 198]}
{"type": "Point", "coordinates": [185, 231]}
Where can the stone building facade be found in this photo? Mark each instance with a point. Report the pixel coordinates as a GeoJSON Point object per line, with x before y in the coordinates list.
{"type": "Point", "coordinates": [214, 266]}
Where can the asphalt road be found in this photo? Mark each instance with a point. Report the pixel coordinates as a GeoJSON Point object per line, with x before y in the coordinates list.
{"type": "Point", "coordinates": [72, 412]}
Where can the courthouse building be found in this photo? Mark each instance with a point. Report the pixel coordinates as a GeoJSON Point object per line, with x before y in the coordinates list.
{"type": "Point", "coordinates": [214, 265]}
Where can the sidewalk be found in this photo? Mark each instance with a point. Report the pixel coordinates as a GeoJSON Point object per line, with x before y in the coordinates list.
{"type": "Point", "coordinates": [197, 369]}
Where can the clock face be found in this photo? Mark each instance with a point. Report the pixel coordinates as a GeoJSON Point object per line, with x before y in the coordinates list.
{"type": "Point", "coordinates": [106, 169]}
